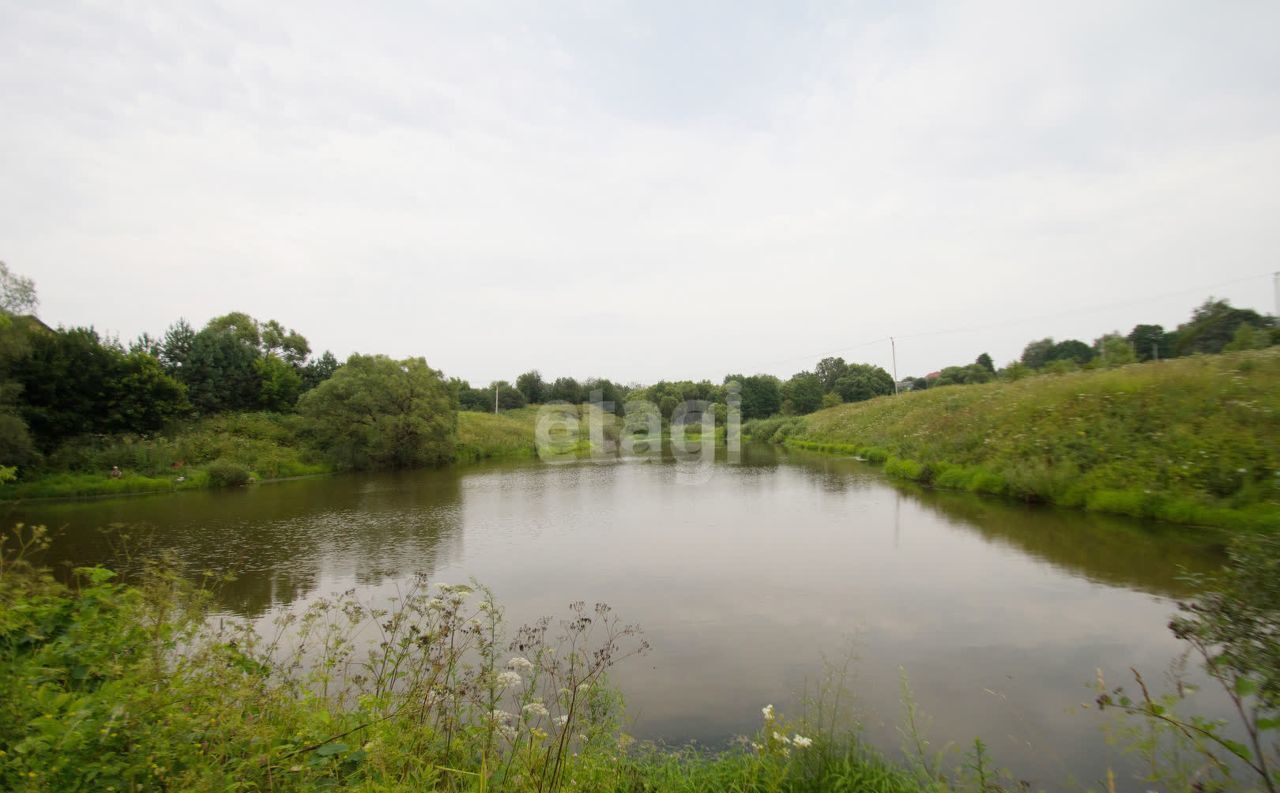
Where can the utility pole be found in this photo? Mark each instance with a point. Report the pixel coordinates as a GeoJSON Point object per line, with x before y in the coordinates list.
{"type": "Point", "coordinates": [893, 348]}
{"type": "Point", "coordinates": [495, 399]}
{"type": "Point", "coordinates": [1275, 280]}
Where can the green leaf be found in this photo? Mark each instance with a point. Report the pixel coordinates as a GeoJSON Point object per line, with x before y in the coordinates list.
{"type": "Point", "coordinates": [1244, 686]}
{"type": "Point", "coordinates": [1268, 724]}
{"type": "Point", "coordinates": [1238, 749]}
{"type": "Point", "coordinates": [330, 749]}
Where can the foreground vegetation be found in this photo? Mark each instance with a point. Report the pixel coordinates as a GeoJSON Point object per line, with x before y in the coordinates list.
{"type": "Point", "coordinates": [107, 686]}
{"type": "Point", "coordinates": [1192, 440]}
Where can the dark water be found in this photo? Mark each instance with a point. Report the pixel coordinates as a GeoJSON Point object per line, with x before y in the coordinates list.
{"type": "Point", "coordinates": [999, 614]}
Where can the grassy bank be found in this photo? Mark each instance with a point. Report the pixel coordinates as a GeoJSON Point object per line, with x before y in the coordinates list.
{"type": "Point", "coordinates": [232, 449]}
{"type": "Point", "coordinates": [510, 434]}
{"type": "Point", "coordinates": [223, 450]}
{"type": "Point", "coordinates": [1193, 440]}
{"type": "Point", "coordinates": [484, 436]}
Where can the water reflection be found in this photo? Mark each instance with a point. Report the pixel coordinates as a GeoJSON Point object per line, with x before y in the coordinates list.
{"type": "Point", "coordinates": [742, 578]}
{"type": "Point", "coordinates": [280, 541]}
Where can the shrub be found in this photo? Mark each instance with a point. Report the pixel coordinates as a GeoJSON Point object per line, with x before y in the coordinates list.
{"type": "Point", "coordinates": [224, 473]}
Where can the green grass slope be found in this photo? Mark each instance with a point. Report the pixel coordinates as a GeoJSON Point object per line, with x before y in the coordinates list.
{"type": "Point", "coordinates": [1193, 440]}
{"type": "Point", "coordinates": [487, 435]}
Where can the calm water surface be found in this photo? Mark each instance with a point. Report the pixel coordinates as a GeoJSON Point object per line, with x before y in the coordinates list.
{"type": "Point", "coordinates": [999, 614]}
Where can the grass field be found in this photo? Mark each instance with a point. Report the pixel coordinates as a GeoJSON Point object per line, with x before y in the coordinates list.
{"type": "Point", "coordinates": [1193, 440]}
{"type": "Point", "coordinates": [487, 435]}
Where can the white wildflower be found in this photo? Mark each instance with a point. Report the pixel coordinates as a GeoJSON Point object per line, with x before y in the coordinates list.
{"type": "Point", "coordinates": [584, 688]}
{"type": "Point", "coordinates": [502, 717]}
{"type": "Point", "coordinates": [507, 732]}
{"type": "Point", "coordinates": [509, 679]}
{"type": "Point", "coordinates": [520, 663]}
{"type": "Point", "coordinates": [562, 720]}
{"type": "Point", "coordinates": [535, 710]}
{"type": "Point", "coordinates": [767, 710]}
{"type": "Point", "coordinates": [802, 742]}
{"type": "Point", "coordinates": [780, 738]}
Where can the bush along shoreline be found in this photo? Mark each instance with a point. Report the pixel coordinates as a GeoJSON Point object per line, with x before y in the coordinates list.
{"type": "Point", "coordinates": [1191, 441]}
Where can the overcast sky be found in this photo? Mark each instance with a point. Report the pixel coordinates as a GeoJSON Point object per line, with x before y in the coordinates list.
{"type": "Point", "coordinates": [642, 190]}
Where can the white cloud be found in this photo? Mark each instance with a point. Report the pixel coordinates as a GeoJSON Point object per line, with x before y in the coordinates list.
{"type": "Point", "coordinates": [637, 191]}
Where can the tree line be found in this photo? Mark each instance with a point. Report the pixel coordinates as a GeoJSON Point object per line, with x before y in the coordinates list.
{"type": "Point", "coordinates": [61, 385]}
{"type": "Point", "coordinates": [373, 411]}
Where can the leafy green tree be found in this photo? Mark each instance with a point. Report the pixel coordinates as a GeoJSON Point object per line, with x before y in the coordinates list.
{"type": "Point", "coordinates": [964, 375]}
{"type": "Point", "coordinates": [476, 400]}
{"type": "Point", "coordinates": [1016, 370]}
{"type": "Point", "coordinates": [1151, 342]}
{"type": "Point", "coordinates": [532, 386]}
{"type": "Point", "coordinates": [239, 324]}
{"type": "Point", "coordinates": [1114, 350]}
{"type": "Point", "coordinates": [318, 370]}
{"type": "Point", "coordinates": [238, 363]}
{"type": "Point", "coordinates": [862, 382]}
{"type": "Point", "coordinates": [289, 344]}
{"type": "Point", "coordinates": [141, 397]}
{"type": "Point", "coordinates": [509, 397]}
{"type": "Point", "coordinates": [985, 362]}
{"type": "Point", "coordinates": [829, 370]}
{"type": "Point", "coordinates": [220, 371]}
{"type": "Point", "coordinates": [280, 384]}
{"type": "Point", "coordinates": [377, 412]}
{"type": "Point", "coordinates": [17, 296]}
{"type": "Point", "coordinates": [1036, 353]}
{"type": "Point", "coordinates": [17, 293]}
{"type": "Point", "coordinates": [73, 383]}
{"type": "Point", "coordinates": [147, 345]}
{"type": "Point", "coordinates": [802, 393]}
{"type": "Point", "coordinates": [64, 383]}
{"type": "Point", "coordinates": [761, 395]}
{"type": "Point", "coordinates": [1071, 350]}
{"type": "Point", "coordinates": [607, 391]}
{"type": "Point", "coordinates": [1248, 337]}
{"type": "Point", "coordinates": [1213, 326]}
{"type": "Point", "coordinates": [831, 399]}
{"type": "Point", "coordinates": [176, 345]}
{"type": "Point", "coordinates": [566, 389]}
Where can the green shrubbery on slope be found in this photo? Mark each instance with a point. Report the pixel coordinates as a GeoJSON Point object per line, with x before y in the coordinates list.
{"type": "Point", "coordinates": [1195, 440]}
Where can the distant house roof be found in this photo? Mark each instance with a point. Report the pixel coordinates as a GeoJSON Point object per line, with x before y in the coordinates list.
{"type": "Point", "coordinates": [933, 375]}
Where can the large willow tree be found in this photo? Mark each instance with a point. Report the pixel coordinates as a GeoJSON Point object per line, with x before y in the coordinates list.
{"type": "Point", "coordinates": [377, 412]}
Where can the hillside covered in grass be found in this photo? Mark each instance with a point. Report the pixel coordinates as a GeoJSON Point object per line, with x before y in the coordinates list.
{"type": "Point", "coordinates": [1194, 440]}
{"type": "Point", "coordinates": [493, 435]}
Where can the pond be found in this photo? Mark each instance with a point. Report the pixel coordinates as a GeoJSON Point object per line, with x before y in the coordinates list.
{"type": "Point", "coordinates": [743, 578]}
